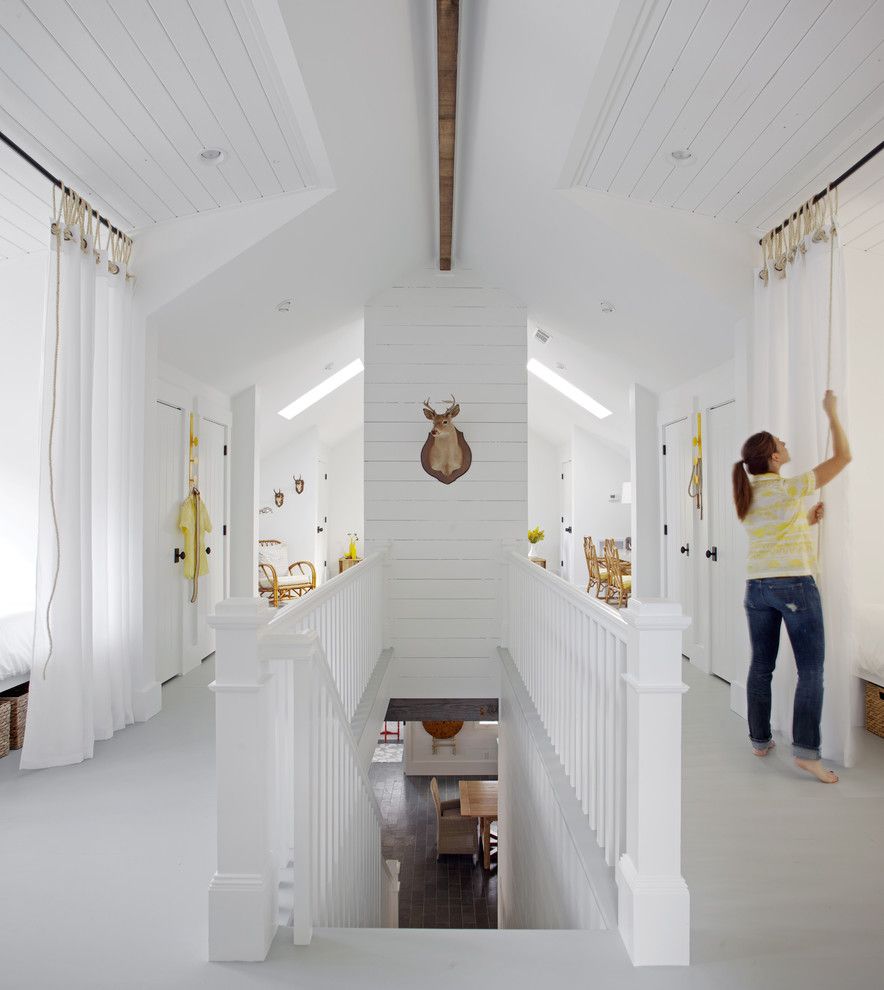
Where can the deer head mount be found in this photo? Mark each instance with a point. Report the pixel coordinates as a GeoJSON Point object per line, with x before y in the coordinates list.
{"type": "Point", "coordinates": [278, 496]}
{"type": "Point", "coordinates": [299, 484]}
{"type": "Point", "coordinates": [446, 455]}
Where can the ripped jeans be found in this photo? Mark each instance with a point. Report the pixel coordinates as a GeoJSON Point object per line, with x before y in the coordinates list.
{"type": "Point", "coordinates": [796, 601]}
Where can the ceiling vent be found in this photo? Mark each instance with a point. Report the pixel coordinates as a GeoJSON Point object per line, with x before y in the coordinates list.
{"type": "Point", "coordinates": [541, 335]}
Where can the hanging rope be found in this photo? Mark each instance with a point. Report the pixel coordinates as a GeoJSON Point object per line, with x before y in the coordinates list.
{"type": "Point", "coordinates": [833, 233]}
{"type": "Point", "coordinates": [69, 212]}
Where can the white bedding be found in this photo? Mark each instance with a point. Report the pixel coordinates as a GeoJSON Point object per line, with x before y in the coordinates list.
{"type": "Point", "coordinates": [870, 642]}
{"type": "Point", "coordinates": [16, 644]}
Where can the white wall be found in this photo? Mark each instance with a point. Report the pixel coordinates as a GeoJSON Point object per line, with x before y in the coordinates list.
{"type": "Point", "coordinates": [476, 751]}
{"type": "Point", "coordinates": [22, 305]}
{"type": "Point", "coordinates": [865, 302]}
{"type": "Point", "coordinates": [295, 522]}
{"type": "Point", "coordinates": [597, 472]}
{"type": "Point", "coordinates": [434, 335]}
{"type": "Point", "coordinates": [346, 496]}
{"type": "Point", "coordinates": [544, 496]}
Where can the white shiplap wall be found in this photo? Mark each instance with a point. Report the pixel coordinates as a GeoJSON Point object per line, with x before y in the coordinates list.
{"type": "Point", "coordinates": [434, 335]}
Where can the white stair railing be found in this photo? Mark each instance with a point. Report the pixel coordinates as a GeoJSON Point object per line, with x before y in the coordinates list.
{"type": "Point", "coordinates": [291, 786]}
{"type": "Point", "coordinates": [606, 684]}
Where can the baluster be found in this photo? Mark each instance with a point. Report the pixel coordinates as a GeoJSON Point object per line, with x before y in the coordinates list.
{"type": "Point", "coordinates": [610, 745]}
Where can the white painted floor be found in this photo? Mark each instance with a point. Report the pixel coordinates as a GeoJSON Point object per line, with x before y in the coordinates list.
{"type": "Point", "coordinates": [104, 869]}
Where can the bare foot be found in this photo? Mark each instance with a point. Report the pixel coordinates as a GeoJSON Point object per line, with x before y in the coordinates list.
{"type": "Point", "coordinates": [816, 768]}
{"type": "Point", "coordinates": [763, 752]}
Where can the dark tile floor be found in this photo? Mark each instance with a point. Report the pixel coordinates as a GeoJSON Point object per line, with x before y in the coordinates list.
{"type": "Point", "coordinates": [449, 894]}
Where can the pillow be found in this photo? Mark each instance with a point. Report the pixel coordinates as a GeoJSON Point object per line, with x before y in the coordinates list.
{"type": "Point", "coordinates": [276, 554]}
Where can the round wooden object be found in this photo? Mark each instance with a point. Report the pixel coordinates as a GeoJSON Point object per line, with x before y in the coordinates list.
{"type": "Point", "coordinates": [443, 730]}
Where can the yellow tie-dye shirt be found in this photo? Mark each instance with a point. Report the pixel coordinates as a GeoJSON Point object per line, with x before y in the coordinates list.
{"type": "Point", "coordinates": [780, 540]}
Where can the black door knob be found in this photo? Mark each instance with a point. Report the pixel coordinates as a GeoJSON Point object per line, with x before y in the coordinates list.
{"type": "Point", "coordinates": [567, 529]}
{"type": "Point", "coordinates": [712, 553]}
{"type": "Point", "coordinates": [179, 555]}
{"type": "Point", "coordinates": [319, 529]}
{"type": "Point", "coordinates": [686, 549]}
{"type": "Point", "coordinates": [208, 549]}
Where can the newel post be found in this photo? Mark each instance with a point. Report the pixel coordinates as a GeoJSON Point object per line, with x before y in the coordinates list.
{"type": "Point", "coordinates": [654, 901]}
{"type": "Point", "coordinates": [243, 891]}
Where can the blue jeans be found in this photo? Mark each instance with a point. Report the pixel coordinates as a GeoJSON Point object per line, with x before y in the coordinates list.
{"type": "Point", "coordinates": [795, 601]}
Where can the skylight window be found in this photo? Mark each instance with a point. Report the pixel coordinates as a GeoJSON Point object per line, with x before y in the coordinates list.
{"type": "Point", "coordinates": [323, 389]}
{"type": "Point", "coordinates": [570, 391]}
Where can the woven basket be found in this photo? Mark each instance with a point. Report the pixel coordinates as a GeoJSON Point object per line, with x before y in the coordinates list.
{"type": "Point", "coordinates": [17, 716]}
{"type": "Point", "coordinates": [5, 706]}
{"type": "Point", "coordinates": [875, 708]}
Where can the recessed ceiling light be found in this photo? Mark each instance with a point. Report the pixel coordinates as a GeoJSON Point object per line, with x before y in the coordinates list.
{"type": "Point", "coordinates": [567, 389]}
{"type": "Point", "coordinates": [212, 156]}
{"type": "Point", "coordinates": [322, 389]}
{"type": "Point", "coordinates": [607, 307]}
{"type": "Point", "coordinates": [681, 157]}
{"type": "Point", "coordinates": [284, 306]}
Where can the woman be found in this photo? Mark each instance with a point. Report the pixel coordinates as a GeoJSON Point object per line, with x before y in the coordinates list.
{"type": "Point", "coordinates": [781, 587]}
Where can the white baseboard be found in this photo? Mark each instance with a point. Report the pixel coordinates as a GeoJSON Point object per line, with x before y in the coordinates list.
{"type": "Point", "coordinates": [148, 701]}
{"type": "Point", "coordinates": [451, 768]}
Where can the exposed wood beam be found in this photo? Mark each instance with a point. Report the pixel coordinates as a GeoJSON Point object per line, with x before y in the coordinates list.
{"type": "Point", "coordinates": [447, 16]}
{"type": "Point", "coordinates": [442, 709]}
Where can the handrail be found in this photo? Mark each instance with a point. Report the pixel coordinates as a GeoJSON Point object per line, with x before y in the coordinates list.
{"type": "Point", "coordinates": [612, 618]}
{"type": "Point", "coordinates": [307, 645]}
{"type": "Point", "coordinates": [302, 606]}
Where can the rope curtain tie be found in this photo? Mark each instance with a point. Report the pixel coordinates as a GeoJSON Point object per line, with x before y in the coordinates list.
{"type": "Point", "coordinates": [813, 221]}
{"type": "Point", "coordinates": [69, 211]}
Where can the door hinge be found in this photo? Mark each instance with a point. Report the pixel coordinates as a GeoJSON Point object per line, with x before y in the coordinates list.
{"type": "Point", "coordinates": [326, 477]}
{"type": "Point", "coordinates": [225, 449]}
{"type": "Point", "coordinates": [224, 530]}
{"type": "Point", "coordinates": [665, 530]}
{"type": "Point", "coordinates": [563, 477]}
{"type": "Point", "coordinates": [664, 449]}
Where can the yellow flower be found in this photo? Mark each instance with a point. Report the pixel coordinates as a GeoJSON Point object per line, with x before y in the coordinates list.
{"type": "Point", "coordinates": [535, 535]}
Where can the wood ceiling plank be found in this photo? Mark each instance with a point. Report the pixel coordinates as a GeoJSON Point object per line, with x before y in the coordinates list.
{"type": "Point", "coordinates": [797, 191]}
{"type": "Point", "coordinates": [230, 48]}
{"type": "Point", "coordinates": [34, 227]}
{"type": "Point", "coordinates": [759, 97]}
{"type": "Point", "coordinates": [836, 123]}
{"type": "Point", "coordinates": [838, 86]}
{"type": "Point", "coordinates": [447, 25]}
{"type": "Point", "coordinates": [202, 62]}
{"type": "Point", "coordinates": [77, 82]}
{"type": "Point", "coordinates": [160, 122]}
{"type": "Point", "coordinates": [662, 58]}
{"type": "Point", "coordinates": [766, 60]}
{"type": "Point", "coordinates": [142, 24]}
{"type": "Point", "coordinates": [67, 159]}
{"type": "Point", "coordinates": [719, 72]}
{"type": "Point", "coordinates": [23, 240]}
{"type": "Point", "coordinates": [867, 227]}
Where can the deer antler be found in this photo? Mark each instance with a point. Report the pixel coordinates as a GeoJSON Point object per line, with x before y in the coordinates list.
{"type": "Point", "coordinates": [429, 407]}
{"type": "Point", "coordinates": [453, 404]}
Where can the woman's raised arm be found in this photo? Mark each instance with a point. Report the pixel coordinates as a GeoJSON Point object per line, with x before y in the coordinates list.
{"type": "Point", "coordinates": [841, 455]}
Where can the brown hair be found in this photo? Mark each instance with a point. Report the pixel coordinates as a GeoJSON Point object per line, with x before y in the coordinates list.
{"type": "Point", "coordinates": [756, 453]}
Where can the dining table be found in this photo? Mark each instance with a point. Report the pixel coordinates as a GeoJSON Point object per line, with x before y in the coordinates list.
{"type": "Point", "coordinates": [478, 799]}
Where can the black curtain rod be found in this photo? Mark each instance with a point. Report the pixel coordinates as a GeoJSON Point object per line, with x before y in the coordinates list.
{"type": "Point", "coordinates": [53, 179]}
{"type": "Point", "coordinates": [834, 185]}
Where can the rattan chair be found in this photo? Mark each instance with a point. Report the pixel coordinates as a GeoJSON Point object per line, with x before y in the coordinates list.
{"type": "Point", "coordinates": [598, 575]}
{"type": "Point", "coordinates": [619, 585]}
{"type": "Point", "coordinates": [279, 580]}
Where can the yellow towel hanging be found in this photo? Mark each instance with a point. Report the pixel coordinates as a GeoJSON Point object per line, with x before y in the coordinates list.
{"type": "Point", "coordinates": [695, 486]}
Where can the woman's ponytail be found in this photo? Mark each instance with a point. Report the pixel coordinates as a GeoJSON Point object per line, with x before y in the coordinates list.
{"type": "Point", "coordinates": [757, 452]}
{"type": "Point", "coordinates": [742, 490]}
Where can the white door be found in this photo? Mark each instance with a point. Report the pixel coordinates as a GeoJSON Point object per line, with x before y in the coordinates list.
{"type": "Point", "coordinates": [212, 479]}
{"type": "Point", "coordinates": [566, 541]}
{"type": "Point", "coordinates": [321, 556]}
{"type": "Point", "coordinates": [719, 444]}
{"type": "Point", "coordinates": [169, 486]}
{"type": "Point", "coordinates": [680, 552]}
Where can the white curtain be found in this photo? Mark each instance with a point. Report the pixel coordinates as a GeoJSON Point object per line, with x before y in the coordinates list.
{"type": "Point", "coordinates": [787, 369]}
{"type": "Point", "coordinates": [81, 680]}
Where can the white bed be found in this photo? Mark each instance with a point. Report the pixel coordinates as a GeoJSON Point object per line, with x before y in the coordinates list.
{"type": "Point", "coordinates": [16, 648]}
{"type": "Point", "coordinates": [870, 643]}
